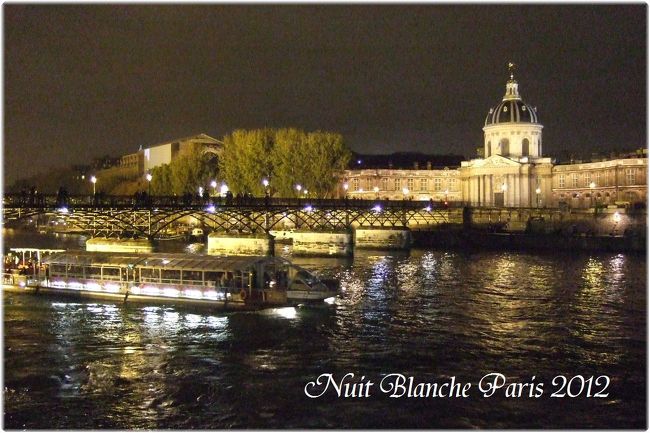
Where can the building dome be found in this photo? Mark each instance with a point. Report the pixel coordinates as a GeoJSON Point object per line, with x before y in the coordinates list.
{"type": "Point", "coordinates": [512, 109]}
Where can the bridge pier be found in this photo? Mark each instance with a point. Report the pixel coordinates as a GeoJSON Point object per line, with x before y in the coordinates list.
{"type": "Point", "coordinates": [240, 245]}
{"type": "Point", "coordinates": [112, 245]}
{"type": "Point", "coordinates": [334, 243]}
{"type": "Point", "coordinates": [384, 238]}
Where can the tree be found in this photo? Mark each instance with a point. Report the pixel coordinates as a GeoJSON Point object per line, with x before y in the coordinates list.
{"type": "Point", "coordinates": [246, 160]}
{"type": "Point", "coordinates": [286, 157]}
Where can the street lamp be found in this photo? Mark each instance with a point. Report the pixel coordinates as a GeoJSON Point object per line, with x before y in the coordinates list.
{"type": "Point", "coordinates": [224, 189]}
{"type": "Point", "coordinates": [446, 195]}
{"type": "Point", "coordinates": [299, 188]}
{"type": "Point", "coordinates": [200, 191]}
{"type": "Point", "coordinates": [149, 177]}
{"type": "Point", "coordinates": [538, 191]}
{"type": "Point", "coordinates": [405, 191]}
{"type": "Point", "coordinates": [94, 182]}
{"type": "Point", "coordinates": [376, 190]}
{"type": "Point", "coordinates": [265, 182]}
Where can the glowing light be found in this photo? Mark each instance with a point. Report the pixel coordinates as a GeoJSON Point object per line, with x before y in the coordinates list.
{"type": "Point", "coordinates": [148, 290]}
{"type": "Point", "coordinates": [376, 189]}
{"type": "Point", "coordinates": [201, 190]}
{"type": "Point", "coordinates": [224, 188]}
{"type": "Point", "coordinates": [376, 208]}
{"type": "Point", "coordinates": [93, 286]}
{"type": "Point", "coordinates": [135, 290]}
{"type": "Point", "coordinates": [265, 182]}
{"type": "Point", "coordinates": [170, 292]}
{"type": "Point", "coordinates": [213, 184]}
{"type": "Point", "coordinates": [428, 208]}
{"type": "Point", "coordinates": [59, 283]}
{"type": "Point", "coordinates": [193, 293]}
{"type": "Point", "coordinates": [112, 287]}
{"type": "Point", "coordinates": [538, 190]}
{"type": "Point", "coordinates": [21, 284]}
{"type": "Point", "coordinates": [286, 312]}
{"type": "Point", "coordinates": [149, 177]}
{"type": "Point", "coordinates": [592, 185]}
{"type": "Point", "coordinates": [330, 300]}
{"type": "Point", "coordinates": [75, 285]}
{"type": "Point", "coordinates": [358, 161]}
{"type": "Point", "coordinates": [617, 216]}
{"type": "Point", "coordinates": [308, 208]}
{"type": "Point", "coordinates": [63, 209]}
{"type": "Point", "coordinates": [346, 186]}
{"type": "Point", "coordinates": [504, 187]}
{"type": "Point", "coordinates": [299, 187]}
{"type": "Point", "coordinates": [93, 179]}
{"type": "Point", "coordinates": [405, 190]}
{"type": "Point", "coordinates": [211, 294]}
{"type": "Point", "coordinates": [211, 209]}
{"type": "Point", "coordinates": [165, 261]}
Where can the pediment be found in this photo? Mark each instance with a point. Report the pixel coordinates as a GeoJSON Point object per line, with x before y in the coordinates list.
{"type": "Point", "coordinates": [496, 161]}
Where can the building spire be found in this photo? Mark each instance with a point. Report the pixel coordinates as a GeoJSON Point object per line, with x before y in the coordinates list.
{"type": "Point", "coordinates": [512, 92]}
{"type": "Point", "coordinates": [511, 70]}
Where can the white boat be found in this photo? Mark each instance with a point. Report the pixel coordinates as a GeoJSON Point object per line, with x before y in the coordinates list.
{"type": "Point", "coordinates": [247, 282]}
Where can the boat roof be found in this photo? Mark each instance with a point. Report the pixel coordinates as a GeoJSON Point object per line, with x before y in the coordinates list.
{"type": "Point", "coordinates": [190, 262]}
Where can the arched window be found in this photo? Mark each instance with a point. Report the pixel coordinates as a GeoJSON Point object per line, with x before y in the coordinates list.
{"type": "Point", "coordinates": [525, 147]}
{"type": "Point", "coordinates": [489, 149]}
{"type": "Point", "coordinates": [504, 144]}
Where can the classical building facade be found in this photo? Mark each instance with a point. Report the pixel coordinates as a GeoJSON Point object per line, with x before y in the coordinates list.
{"type": "Point", "coordinates": [163, 153]}
{"type": "Point", "coordinates": [513, 171]}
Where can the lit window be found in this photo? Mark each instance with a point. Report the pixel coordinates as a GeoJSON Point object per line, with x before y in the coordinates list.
{"type": "Point", "coordinates": [410, 184]}
{"type": "Point", "coordinates": [384, 184]}
{"type": "Point", "coordinates": [574, 180]}
{"type": "Point", "coordinates": [398, 185]}
{"type": "Point", "coordinates": [561, 181]}
{"type": "Point", "coordinates": [437, 184]}
{"type": "Point", "coordinates": [423, 184]}
{"type": "Point", "coordinates": [355, 184]}
{"type": "Point", "coordinates": [630, 176]}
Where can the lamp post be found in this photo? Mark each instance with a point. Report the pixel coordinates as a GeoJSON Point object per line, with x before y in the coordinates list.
{"type": "Point", "coordinates": [446, 195]}
{"type": "Point", "coordinates": [213, 185]}
{"type": "Point", "coordinates": [405, 191]}
{"type": "Point", "coordinates": [223, 189]}
{"type": "Point", "coordinates": [592, 186]}
{"type": "Point", "coordinates": [538, 191]}
{"type": "Point", "coordinates": [93, 180]}
{"type": "Point", "coordinates": [149, 177]}
{"type": "Point", "coordinates": [345, 189]}
{"type": "Point", "coordinates": [376, 190]}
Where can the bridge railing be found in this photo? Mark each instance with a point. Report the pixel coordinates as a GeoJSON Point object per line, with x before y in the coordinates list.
{"type": "Point", "coordinates": [144, 201]}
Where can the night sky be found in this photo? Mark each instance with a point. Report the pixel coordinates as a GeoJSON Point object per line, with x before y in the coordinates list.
{"type": "Point", "coordinates": [85, 81]}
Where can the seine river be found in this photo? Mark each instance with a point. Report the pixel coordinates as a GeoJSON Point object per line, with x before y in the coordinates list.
{"type": "Point", "coordinates": [428, 314]}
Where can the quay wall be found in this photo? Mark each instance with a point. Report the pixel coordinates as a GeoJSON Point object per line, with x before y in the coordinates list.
{"type": "Point", "coordinates": [240, 245]}
{"type": "Point", "coordinates": [322, 243]}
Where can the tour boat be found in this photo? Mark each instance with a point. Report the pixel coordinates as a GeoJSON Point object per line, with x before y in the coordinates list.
{"type": "Point", "coordinates": [237, 282]}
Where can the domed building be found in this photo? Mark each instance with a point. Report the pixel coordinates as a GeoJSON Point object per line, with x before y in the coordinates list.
{"type": "Point", "coordinates": [513, 172]}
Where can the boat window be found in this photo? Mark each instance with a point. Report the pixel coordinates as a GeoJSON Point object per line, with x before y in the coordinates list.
{"type": "Point", "coordinates": [57, 270]}
{"type": "Point", "coordinates": [94, 272]}
{"type": "Point", "coordinates": [75, 270]}
{"type": "Point", "coordinates": [149, 274]}
{"type": "Point", "coordinates": [170, 275]}
{"type": "Point", "coordinates": [214, 277]}
{"type": "Point", "coordinates": [111, 273]}
{"type": "Point", "coordinates": [192, 277]}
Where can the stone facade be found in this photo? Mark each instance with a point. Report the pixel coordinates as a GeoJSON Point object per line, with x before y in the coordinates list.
{"type": "Point", "coordinates": [513, 173]}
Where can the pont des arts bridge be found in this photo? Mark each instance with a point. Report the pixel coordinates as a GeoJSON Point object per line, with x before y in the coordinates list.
{"type": "Point", "coordinates": [315, 226]}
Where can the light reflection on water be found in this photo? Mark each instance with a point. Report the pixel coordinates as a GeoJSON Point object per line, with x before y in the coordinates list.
{"type": "Point", "coordinates": [429, 313]}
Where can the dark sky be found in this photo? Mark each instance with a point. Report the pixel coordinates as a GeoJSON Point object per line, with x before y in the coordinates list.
{"type": "Point", "coordinates": [84, 81]}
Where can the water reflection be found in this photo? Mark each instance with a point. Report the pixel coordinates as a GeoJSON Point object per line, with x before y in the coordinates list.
{"type": "Point", "coordinates": [432, 314]}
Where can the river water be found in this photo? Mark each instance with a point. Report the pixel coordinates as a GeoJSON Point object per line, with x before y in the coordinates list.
{"type": "Point", "coordinates": [430, 314]}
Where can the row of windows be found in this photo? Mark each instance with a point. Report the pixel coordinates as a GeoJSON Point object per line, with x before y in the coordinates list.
{"type": "Point", "coordinates": [386, 184]}
{"type": "Point", "coordinates": [599, 178]}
